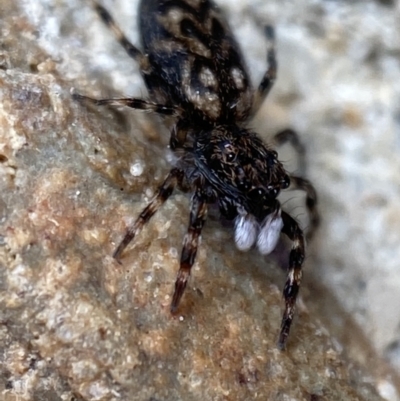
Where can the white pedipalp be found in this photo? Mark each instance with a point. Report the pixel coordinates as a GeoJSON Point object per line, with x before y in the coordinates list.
{"type": "Point", "coordinates": [269, 233]}
{"type": "Point", "coordinates": [246, 230]}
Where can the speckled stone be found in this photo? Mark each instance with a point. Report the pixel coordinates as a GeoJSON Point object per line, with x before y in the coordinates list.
{"type": "Point", "coordinates": [74, 324]}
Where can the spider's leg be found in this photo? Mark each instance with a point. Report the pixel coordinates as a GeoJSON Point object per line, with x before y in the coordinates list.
{"type": "Point", "coordinates": [144, 66]}
{"type": "Point", "coordinates": [288, 135]}
{"type": "Point", "coordinates": [292, 285]}
{"type": "Point", "coordinates": [132, 50]}
{"type": "Point", "coordinates": [270, 75]}
{"type": "Point", "coordinates": [311, 202]}
{"type": "Point", "coordinates": [133, 103]}
{"type": "Point", "coordinates": [297, 182]}
{"type": "Point", "coordinates": [198, 214]}
{"type": "Point", "coordinates": [174, 177]}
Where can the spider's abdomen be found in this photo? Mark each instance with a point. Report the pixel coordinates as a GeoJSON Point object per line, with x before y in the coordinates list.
{"type": "Point", "coordinates": [194, 59]}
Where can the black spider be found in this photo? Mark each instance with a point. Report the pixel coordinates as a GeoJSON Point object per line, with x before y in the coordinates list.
{"type": "Point", "coordinates": [194, 71]}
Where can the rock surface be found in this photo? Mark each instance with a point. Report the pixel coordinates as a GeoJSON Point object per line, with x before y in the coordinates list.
{"type": "Point", "coordinates": [74, 324]}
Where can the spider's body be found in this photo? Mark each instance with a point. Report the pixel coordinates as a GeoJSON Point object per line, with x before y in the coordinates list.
{"type": "Point", "coordinates": [194, 72]}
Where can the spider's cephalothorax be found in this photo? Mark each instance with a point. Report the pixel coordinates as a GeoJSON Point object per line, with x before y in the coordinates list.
{"type": "Point", "coordinates": [195, 73]}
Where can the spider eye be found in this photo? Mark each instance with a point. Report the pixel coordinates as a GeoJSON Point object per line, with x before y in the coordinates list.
{"type": "Point", "coordinates": [229, 151]}
{"type": "Point", "coordinates": [257, 194]}
{"type": "Point", "coordinates": [230, 157]}
{"type": "Point", "coordinates": [273, 192]}
{"type": "Point", "coordinates": [285, 182]}
{"type": "Point", "coordinates": [272, 157]}
{"type": "Point", "coordinates": [244, 186]}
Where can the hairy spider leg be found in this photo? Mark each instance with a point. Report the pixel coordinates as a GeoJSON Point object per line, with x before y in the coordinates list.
{"type": "Point", "coordinates": [296, 182]}
{"type": "Point", "coordinates": [174, 178]}
{"type": "Point", "coordinates": [133, 103]}
{"type": "Point", "coordinates": [270, 75]}
{"type": "Point", "coordinates": [198, 215]}
{"type": "Point", "coordinates": [144, 66]}
{"type": "Point", "coordinates": [311, 202]}
{"type": "Point", "coordinates": [292, 285]}
{"type": "Point", "coordinates": [290, 136]}
{"type": "Point", "coordinates": [132, 50]}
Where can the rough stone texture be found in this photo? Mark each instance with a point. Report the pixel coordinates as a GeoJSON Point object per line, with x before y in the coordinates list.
{"type": "Point", "coordinates": [76, 325]}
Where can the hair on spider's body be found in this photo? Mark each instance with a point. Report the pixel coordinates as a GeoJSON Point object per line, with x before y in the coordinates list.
{"type": "Point", "coordinates": [194, 71]}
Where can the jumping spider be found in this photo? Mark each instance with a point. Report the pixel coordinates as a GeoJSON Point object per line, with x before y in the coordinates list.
{"type": "Point", "coordinates": [194, 72]}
